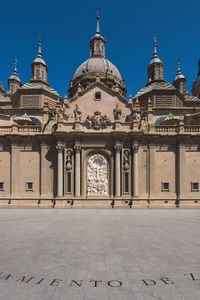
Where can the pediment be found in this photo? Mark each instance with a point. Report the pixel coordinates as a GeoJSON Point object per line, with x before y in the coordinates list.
{"type": "Point", "coordinates": [106, 104]}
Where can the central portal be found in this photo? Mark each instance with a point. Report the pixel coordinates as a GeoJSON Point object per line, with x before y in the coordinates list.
{"type": "Point", "coordinates": [97, 175]}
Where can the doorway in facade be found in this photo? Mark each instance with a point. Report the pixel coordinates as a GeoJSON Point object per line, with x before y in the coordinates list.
{"type": "Point", "coordinates": [97, 175]}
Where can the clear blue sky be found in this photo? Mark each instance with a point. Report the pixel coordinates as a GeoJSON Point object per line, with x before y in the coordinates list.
{"type": "Point", "coordinates": [128, 27]}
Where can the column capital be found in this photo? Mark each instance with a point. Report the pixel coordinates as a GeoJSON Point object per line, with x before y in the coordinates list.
{"type": "Point", "coordinates": [118, 148]}
{"type": "Point", "coordinates": [59, 147]}
{"type": "Point", "coordinates": [135, 147]}
{"type": "Point", "coordinates": [77, 148]}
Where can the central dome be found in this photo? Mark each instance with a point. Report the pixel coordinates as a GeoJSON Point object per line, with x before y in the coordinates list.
{"type": "Point", "coordinates": [97, 65]}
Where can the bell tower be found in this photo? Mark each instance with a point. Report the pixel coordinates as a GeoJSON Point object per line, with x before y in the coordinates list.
{"type": "Point", "coordinates": [14, 81]}
{"type": "Point", "coordinates": [180, 80]}
{"type": "Point", "coordinates": [156, 68]}
{"type": "Point", "coordinates": [39, 68]}
{"type": "Point", "coordinates": [97, 43]}
{"type": "Point", "coordinates": [196, 84]}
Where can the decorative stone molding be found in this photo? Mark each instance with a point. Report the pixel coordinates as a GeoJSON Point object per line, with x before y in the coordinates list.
{"type": "Point", "coordinates": [97, 121]}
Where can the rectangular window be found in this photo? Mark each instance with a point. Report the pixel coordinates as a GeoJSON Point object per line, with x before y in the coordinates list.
{"type": "Point", "coordinates": [1, 186]}
{"type": "Point", "coordinates": [42, 75]}
{"type": "Point", "coordinates": [37, 74]}
{"type": "Point", "coordinates": [29, 186]}
{"type": "Point", "coordinates": [157, 74]}
{"type": "Point", "coordinates": [126, 183]}
{"type": "Point", "coordinates": [69, 182]}
{"type": "Point", "coordinates": [194, 186]}
{"type": "Point", "coordinates": [165, 186]}
{"type": "Point", "coordinates": [12, 88]}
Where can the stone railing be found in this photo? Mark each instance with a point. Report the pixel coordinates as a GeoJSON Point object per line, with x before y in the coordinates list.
{"type": "Point", "coordinates": [20, 128]}
{"type": "Point", "coordinates": [192, 129]}
{"type": "Point", "coordinates": [166, 129]}
{"type": "Point", "coordinates": [187, 129]}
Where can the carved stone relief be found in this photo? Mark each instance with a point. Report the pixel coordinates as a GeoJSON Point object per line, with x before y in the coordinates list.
{"type": "Point", "coordinates": [97, 121]}
{"type": "Point", "coordinates": [97, 175]}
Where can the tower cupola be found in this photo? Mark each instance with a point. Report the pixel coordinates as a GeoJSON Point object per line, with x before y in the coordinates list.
{"type": "Point", "coordinates": [14, 81]}
{"type": "Point", "coordinates": [97, 43]}
{"type": "Point", "coordinates": [39, 68]}
{"type": "Point", "coordinates": [156, 68]}
{"type": "Point", "coordinates": [180, 80]}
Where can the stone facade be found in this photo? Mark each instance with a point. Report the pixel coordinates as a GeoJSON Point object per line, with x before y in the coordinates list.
{"type": "Point", "coordinates": [98, 148]}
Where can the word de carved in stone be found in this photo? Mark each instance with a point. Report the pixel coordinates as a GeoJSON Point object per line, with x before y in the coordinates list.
{"type": "Point", "coordinates": [97, 121]}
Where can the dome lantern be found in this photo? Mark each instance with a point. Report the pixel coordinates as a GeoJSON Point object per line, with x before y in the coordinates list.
{"type": "Point", "coordinates": [97, 43]}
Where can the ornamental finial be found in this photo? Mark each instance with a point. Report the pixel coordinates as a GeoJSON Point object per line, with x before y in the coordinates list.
{"type": "Point", "coordinates": [98, 30]}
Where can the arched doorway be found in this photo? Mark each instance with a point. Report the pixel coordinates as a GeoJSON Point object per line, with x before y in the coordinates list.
{"type": "Point", "coordinates": [97, 175]}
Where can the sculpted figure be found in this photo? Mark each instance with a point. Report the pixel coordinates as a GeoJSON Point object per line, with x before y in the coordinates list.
{"type": "Point", "coordinates": [77, 113]}
{"type": "Point", "coordinates": [117, 112]}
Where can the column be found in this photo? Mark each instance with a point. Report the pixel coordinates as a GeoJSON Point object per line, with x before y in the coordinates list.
{"type": "Point", "coordinates": [180, 170]}
{"type": "Point", "coordinates": [14, 175]}
{"type": "Point", "coordinates": [117, 171]}
{"type": "Point", "coordinates": [45, 172]}
{"type": "Point", "coordinates": [135, 169]}
{"type": "Point", "coordinates": [60, 170]}
{"type": "Point", "coordinates": [77, 149]}
{"type": "Point", "coordinates": [151, 168]}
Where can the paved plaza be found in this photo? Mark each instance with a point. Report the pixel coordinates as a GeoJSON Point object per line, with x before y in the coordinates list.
{"type": "Point", "coordinates": [99, 254]}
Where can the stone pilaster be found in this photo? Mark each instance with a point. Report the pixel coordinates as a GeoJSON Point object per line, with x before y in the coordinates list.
{"type": "Point", "coordinates": [60, 170]}
{"type": "Point", "coordinates": [77, 149]}
{"type": "Point", "coordinates": [45, 172]}
{"type": "Point", "coordinates": [14, 175]}
{"type": "Point", "coordinates": [117, 170]}
{"type": "Point", "coordinates": [151, 168]}
{"type": "Point", "coordinates": [135, 169]}
{"type": "Point", "coordinates": [180, 170]}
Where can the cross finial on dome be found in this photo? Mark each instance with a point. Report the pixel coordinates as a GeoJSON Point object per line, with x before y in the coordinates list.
{"type": "Point", "coordinates": [97, 30]}
{"type": "Point", "coordinates": [39, 58]}
{"type": "Point", "coordinates": [15, 70]}
{"type": "Point", "coordinates": [15, 73]}
{"type": "Point", "coordinates": [179, 73]}
{"type": "Point", "coordinates": [155, 58]}
{"type": "Point", "coordinates": [155, 53]}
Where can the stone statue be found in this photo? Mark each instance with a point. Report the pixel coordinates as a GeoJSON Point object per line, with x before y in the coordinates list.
{"type": "Point", "coordinates": [69, 160]}
{"type": "Point", "coordinates": [117, 112]}
{"type": "Point", "coordinates": [77, 113]}
{"type": "Point", "coordinates": [126, 160]}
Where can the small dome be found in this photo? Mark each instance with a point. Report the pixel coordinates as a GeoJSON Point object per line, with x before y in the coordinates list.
{"type": "Point", "coordinates": [95, 65]}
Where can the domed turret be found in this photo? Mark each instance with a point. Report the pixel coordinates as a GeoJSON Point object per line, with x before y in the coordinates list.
{"type": "Point", "coordinates": [39, 68]}
{"type": "Point", "coordinates": [14, 81]}
{"type": "Point", "coordinates": [156, 68]}
{"type": "Point", "coordinates": [97, 66]}
{"type": "Point", "coordinates": [196, 84]}
{"type": "Point", "coordinates": [180, 80]}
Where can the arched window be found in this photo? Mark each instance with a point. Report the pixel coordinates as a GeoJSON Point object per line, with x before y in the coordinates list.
{"type": "Point", "coordinates": [97, 48]}
{"type": "Point", "coordinates": [42, 75]}
{"type": "Point", "coordinates": [97, 175]}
